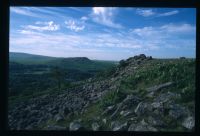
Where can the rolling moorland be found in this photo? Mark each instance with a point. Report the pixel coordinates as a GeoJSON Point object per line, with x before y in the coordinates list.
{"type": "Point", "coordinates": [78, 94]}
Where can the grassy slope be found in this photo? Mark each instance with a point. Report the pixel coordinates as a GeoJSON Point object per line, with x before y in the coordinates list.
{"type": "Point", "coordinates": [155, 72]}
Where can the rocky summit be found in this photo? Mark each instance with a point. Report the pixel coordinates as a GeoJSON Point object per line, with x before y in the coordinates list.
{"type": "Point", "coordinates": [141, 94]}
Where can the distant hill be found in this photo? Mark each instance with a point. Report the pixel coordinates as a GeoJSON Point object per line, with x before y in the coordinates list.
{"type": "Point", "coordinates": [26, 58]}
{"type": "Point", "coordinates": [77, 63]}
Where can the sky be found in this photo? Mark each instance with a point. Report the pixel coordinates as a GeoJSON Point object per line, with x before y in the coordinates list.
{"type": "Point", "coordinates": [103, 33]}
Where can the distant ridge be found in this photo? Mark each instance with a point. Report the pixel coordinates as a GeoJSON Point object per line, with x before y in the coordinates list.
{"type": "Point", "coordinates": [26, 58]}
{"type": "Point", "coordinates": [75, 63]}
{"type": "Point", "coordinates": [21, 54]}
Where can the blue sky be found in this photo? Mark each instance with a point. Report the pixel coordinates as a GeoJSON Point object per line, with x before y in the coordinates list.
{"type": "Point", "coordinates": [103, 33]}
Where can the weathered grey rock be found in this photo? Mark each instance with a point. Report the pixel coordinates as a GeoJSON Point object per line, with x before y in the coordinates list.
{"type": "Point", "coordinates": [141, 126]}
{"type": "Point", "coordinates": [155, 121]}
{"type": "Point", "coordinates": [74, 126]}
{"type": "Point", "coordinates": [177, 111]}
{"type": "Point", "coordinates": [95, 126]}
{"type": "Point", "coordinates": [142, 56]}
{"type": "Point", "coordinates": [165, 97]}
{"type": "Point", "coordinates": [125, 113]}
{"type": "Point", "coordinates": [157, 105]}
{"type": "Point", "coordinates": [189, 122]}
{"type": "Point", "coordinates": [143, 108]}
{"type": "Point", "coordinates": [159, 87]}
{"type": "Point", "coordinates": [109, 109]}
{"type": "Point", "coordinates": [118, 126]}
{"type": "Point", "coordinates": [149, 58]}
{"type": "Point", "coordinates": [159, 112]}
{"type": "Point", "coordinates": [130, 100]}
{"type": "Point", "coordinates": [59, 117]}
{"type": "Point", "coordinates": [104, 120]}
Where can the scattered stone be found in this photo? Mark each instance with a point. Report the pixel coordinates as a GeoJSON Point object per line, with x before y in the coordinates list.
{"type": "Point", "coordinates": [125, 113]}
{"type": "Point", "coordinates": [155, 121]}
{"type": "Point", "coordinates": [142, 108]}
{"type": "Point", "coordinates": [128, 101]}
{"type": "Point", "coordinates": [159, 87]}
{"type": "Point", "coordinates": [117, 126]}
{"type": "Point", "coordinates": [177, 111]}
{"type": "Point", "coordinates": [142, 56]}
{"type": "Point", "coordinates": [189, 122]}
{"type": "Point", "coordinates": [104, 121]}
{"type": "Point", "coordinates": [141, 126]}
{"type": "Point", "coordinates": [156, 105]}
{"type": "Point", "coordinates": [108, 110]}
{"type": "Point", "coordinates": [149, 58]}
{"type": "Point", "coordinates": [74, 126]}
{"type": "Point", "coordinates": [59, 118]}
{"type": "Point", "coordinates": [95, 126]}
{"type": "Point", "coordinates": [165, 97]}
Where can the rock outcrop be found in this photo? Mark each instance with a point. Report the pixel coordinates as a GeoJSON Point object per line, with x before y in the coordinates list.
{"type": "Point", "coordinates": [153, 111]}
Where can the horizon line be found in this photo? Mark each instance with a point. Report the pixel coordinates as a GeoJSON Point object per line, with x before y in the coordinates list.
{"type": "Point", "coordinates": [105, 60]}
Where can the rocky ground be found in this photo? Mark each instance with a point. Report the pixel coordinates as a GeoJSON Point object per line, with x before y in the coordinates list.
{"type": "Point", "coordinates": [151, 107]}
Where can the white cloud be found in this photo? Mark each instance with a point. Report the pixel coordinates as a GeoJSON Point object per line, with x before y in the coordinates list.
{"type": "Point", "coordinates": [183, 28]}
{"type": "Point", "coordinates": [165, 30]}
{"type": "Point", "coordinates": [74, 26]}
{"type": "Point", "coordinates": [105, 16]}
{"type": "Point", "coordinates": [145, 12]}
{"type": "Point", "coordinates": [22, 11]}
{"type": "Point", "coordinates": [150, 12]}
{"type": "Point", "coordinates": [167, 36]}
{"type": "Point", "coordinates": [84, 18]}
{"type": "Point", "coordinates": [104, 45]}
{"type": "Point", "coordinates": [169, 13]}
{"type": "Point", "coordinates": [46, 26]}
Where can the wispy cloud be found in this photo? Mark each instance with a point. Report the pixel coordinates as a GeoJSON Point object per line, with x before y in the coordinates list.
{"type": "Point", "coordinates": [43, 26]}
{"type": "Point", "coordinates": [165, 29]}
{"type": "Point", "coordinates": [101, 45]}
{"type": "Point", "coordinates": [167, 35]}
{"type": "Point", "coordinates": [84, 18]}
{"type": "Point", "coordinates": [97, 32]}
{"type": "Point", "coordinates": [23, 11]}
{"type": "Point", "coordinates": [151, 12]}
{"type": "Point", "coordinates": [145, 12]}
{"type": "Point", "coordinates": [183, 28]}
{"type": "Point", "coordinates": [74, 26]}
{"type": "Point", "coordinates": [168, 13]}
{"type": "Point", "coordinates": [105, 16]}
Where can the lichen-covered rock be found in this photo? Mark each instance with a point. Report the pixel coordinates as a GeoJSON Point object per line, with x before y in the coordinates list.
{"type": "Point", "coordinates": [118, 126]}
{"type": "Point", "coordinates": [143, 108]}
{"type": "Point", "coordinates": [74, 126]}
{"type": "Point", "coordinates": [104, 120]}
{"type": "Point", "coordinates": [189, 122]}
{"type": "Point", "coordinates": [156, 121]}
{"type": "Point", "coordinates": [125, 113]}
{"type": "Point", "coordinates": [109, 109]}
{"type": "Point", "coordinates": [95, 126]}
{"type": "Point", "coordinates": [177, 111]}
{"type": "Point", "coordinates": [59, 117]}
{"type": "Point", "coordinates": [141, 126]}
